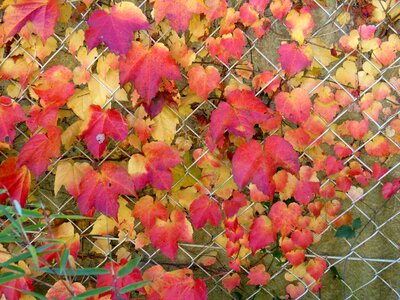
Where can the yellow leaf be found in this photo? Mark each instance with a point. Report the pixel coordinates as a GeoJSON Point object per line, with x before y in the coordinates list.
{"type": "Point", "coordinates": [69, 136]}
{"type": "Point", "coordinates": [103, 225]}
{"type": "Point", "coordinates": [164, 128]}
{"type": "Point", "coordinates": [69, 174]}
{"type": "Point", "coordinates": [80, 102]}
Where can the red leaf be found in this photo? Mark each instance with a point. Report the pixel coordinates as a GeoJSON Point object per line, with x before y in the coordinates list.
{"type": "Point", "coordinates": [234, 231]}
{"type": "Point", "coordinates": [178, 12]}
{"type": "Point", "coordinates": [54, 87]}
{"type": "Point", "coordinates": [111, 279]}
{"type": "Point", "coordinates": [307, 186]}
{"type": "Point", "coordinates": [101, 190]}
{"type": "Point", "coordinates": [11, 113]}
{"type": "Point", "coordinates": [231, 281]}
{"type": "Point", "coordinates": [39, 149]}
{"type": "Point", "coordinates": [389, 188]}
{"type": "Point", "coordinates": [202, 80]}
{"type": "Point", "coordinates": [258, 275]}
{"type": "Point", "coordinates": [302, 238]}
{"type": "Point", "coordinates": [282, 153]}
{"type": "Point", "coordinates": [43, 15]}
{"type": "Point", "coordinates": [115, 28]}
{"type": "Point", "coordinates": [232, 206]}
{"type": "Point", "coordinates": [16, 181]}
{"type": "Point", "coordinates": [358, 129]}
{"type": "Point", "coordinates": [333, 165]}
{"type": "Point", "coordinates": [166, 234]}
{"type": "Point", "coordinates": [295, 106]}
{"type": "Point", "coordinates": [253, 163]}
{"type": "Point", "coordinates": [101, 126]}
{"type": "Point", "coordinates": [148, 210]}
{"type": "Point", "coordinates": [203, 210]}
{"type": "Point", "coordinates": [142, 67]}
{"type": "Point", "coordinates": [242, 111]}
{"type": "Point", "coordinates": [262, 233]}
{"type": "Point", "coordinates": [154, 166]}
{"type": "Point", "coordinates": [293, 58]}
{"type": "Point", "coordinates": [42, 117]}
{"type": "Point", "coordinates": [16, 289]}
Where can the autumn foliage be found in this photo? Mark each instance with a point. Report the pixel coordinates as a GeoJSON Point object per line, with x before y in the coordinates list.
{"type": "Point", "coordinates": [158, 126]}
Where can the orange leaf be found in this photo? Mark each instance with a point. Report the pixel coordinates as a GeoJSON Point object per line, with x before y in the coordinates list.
{"type": "Point", "coordinates": [202, 80]}
{"type": "Point", "coordinates": [178, 12]}
{"type": "Point", "coordinates": [54, 86]}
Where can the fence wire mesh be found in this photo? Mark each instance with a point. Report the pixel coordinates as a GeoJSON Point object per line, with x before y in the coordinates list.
{"type": "Point", "coordinates": [366, 264]}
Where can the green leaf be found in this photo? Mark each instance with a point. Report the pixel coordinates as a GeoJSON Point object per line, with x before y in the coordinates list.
{"type": "Point", "coordinates": [346, 232]}
{"type": "Point", "coordinates": [10, 238]}
{"type": "Point", "coordinates": [34, 255]}
{"type": "Point", "coordinates": [64, 259]}
{"type": "Point", "coordinates": [356, 223]}
{"type": "Point", "coordinates": [237, 295]}
{"type": "Point", "coordinates": [78, 272]}
{"type": "Point", "coordinates": [36, 295]}
{"type": "Point", "coordinates": [71, 217]}
{"type": "Point", "coordinates": [2, 191]}
{"type": "Point", "coordinates": [27, 254]}
{"type": "Point", "coordinates": [335, 272]}
{"type": "Point", "coordinates": [9, 276]}
{"type": "Point", "coordinates": [128, 268]}
{"type": "Point", "coordinates": [92, 293]}
{"type": "Point", "coordinates": [15, 268]}
{"type": "Point", "coordinates": [134, 286]}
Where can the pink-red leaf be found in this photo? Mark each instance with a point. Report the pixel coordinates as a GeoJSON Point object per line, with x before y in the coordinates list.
{"type": "Point", "coordinates": [293, 58]}
{"type": "Point", "coordinates": [262, 233]}
{"type": "Point", "coordinates": [258, 275]}
{"type": "Point", "coordinates": [294, 106]}
{"type": "Point", "coordinates": [154, 166]}
{"type": "Point", "coordinates": [103, 124]}
{"type": "Point", "coordinates": [43, 15]}
{"type": "Point", "coordinates": [178, 12]}
{"type": "Point", "coordinates": [111, 279]}
{"type": "Point", "coordinates": [203, 210]}
{"type": "Point", "coordinates": [254, 163]}
{"type": "Point", "coordinates": [238, 115]}
{"type": "Point", "coordinates": [16, 181]}
{"type": "Point", "coordinates": [39, 149]}
{"type": "Point", "coordinates": [232, 206]}
{"type": "Point", "coordinates": [166, 234]}
{"type": "Point", "coordinates": [11, 113]}
{"type": "Point", "coordinates": [116, 28]}
{"type": "Point", "coordinates": [100, 190]}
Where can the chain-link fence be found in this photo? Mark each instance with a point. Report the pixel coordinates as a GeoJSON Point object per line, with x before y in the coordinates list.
{"type": "Point", "coordinates": [366, 265]}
